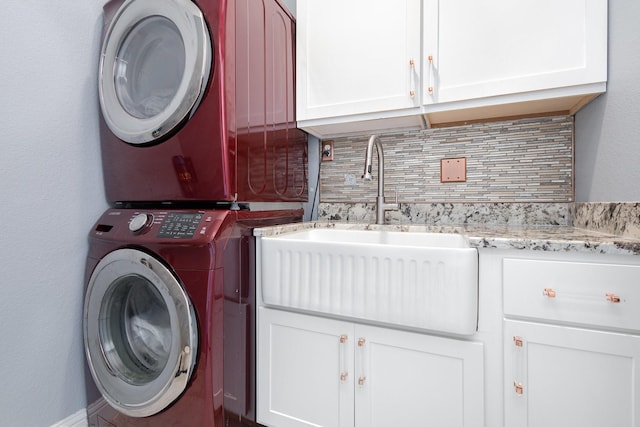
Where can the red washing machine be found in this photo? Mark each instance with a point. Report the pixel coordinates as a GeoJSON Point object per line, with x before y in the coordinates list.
{"type": "Point", "coordinates": [169, 316]}
{"type": "Point", "coordinates": [197, 102]}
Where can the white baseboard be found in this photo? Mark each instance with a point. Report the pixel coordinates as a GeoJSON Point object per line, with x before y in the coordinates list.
{"type": "Point", "coordinates": [78, 419]}
{"type": "Point", "coordinates": [96, 406]}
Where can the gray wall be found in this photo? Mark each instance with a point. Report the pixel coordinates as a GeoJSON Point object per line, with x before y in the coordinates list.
{"type": "Point", "coordinates": [607, 162]}
{"type": "Point", "coordinates": [51, 192]}
{"type": "Point", "coordinates": [291, 4]}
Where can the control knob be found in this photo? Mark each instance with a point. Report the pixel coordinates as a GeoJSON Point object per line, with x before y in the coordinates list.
{"type": "Point", "coordinates": [140, 222]}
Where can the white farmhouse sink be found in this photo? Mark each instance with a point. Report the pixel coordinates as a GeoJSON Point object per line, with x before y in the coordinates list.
{"type": "Point", "coordinates": [417, 280]}
{"type": "Point", "coordinates": [381, 237]}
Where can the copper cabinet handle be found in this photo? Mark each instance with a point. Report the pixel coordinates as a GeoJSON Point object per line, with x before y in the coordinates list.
{"type": "Point", "coordinates": [430, 89]}
{"type": "Point", "coordinates": [519, 389]}
{"type": "Point", "coordinates": [412, 89]}
{"type": "Point", "coordinates": [611, 297]}
{"type": "Point", "coordinates": [361, 362]}
{"type": "Point", "coordinates": [344, 374]}
{"type": "Point", "coordinates": [519, 362]}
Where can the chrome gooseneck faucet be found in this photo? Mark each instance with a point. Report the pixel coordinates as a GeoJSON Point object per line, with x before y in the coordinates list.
{"type": "Point", "coordinates": [381, 206]}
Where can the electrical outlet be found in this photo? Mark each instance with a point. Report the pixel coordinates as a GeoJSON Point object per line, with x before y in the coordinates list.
{"type": "Point", "coordinates": [453, 170]}
{"type": "Point", "coordinates": [327, 151]}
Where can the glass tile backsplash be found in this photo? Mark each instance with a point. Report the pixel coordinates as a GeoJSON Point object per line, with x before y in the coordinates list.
{"type": "Point", "coordinates": [526, 160]}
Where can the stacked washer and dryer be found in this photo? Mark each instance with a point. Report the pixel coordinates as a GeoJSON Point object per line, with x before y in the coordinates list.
{"type": "Point", "coordinates": [199, 146]}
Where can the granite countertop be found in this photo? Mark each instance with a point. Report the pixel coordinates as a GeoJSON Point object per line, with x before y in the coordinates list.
{"type": "Point", "coordinates": [543, 238]}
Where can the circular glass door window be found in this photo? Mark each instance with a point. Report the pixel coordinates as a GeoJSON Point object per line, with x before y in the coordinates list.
{"type": "Point", "coordinates": [135, 330]}
{"type": "Point", "coordinates": [140, 332]}
{"type": "Point", "coordinates": [145, 80]}
{"type": "Point", "coordinates": [155, 63]}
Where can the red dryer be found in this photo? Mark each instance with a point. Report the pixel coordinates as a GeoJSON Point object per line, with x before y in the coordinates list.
{"type": "Point", "coordinates": [197, 103]}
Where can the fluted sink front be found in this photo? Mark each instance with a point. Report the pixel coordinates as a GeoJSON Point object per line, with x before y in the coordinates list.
{"type": "Point", "coordinates": [414, 280]}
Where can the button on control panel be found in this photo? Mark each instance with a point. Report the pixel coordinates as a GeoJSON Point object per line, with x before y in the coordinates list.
{"type": "Point", "coordinates": [180, 225]}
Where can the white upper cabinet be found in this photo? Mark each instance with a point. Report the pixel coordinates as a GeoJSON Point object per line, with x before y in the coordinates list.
{"type": "Point", "coordinates": [365, 65]}
{"type": "Point", "coordinates": [512, 57]}
{"type": "Point", "coordinates": [357, 57]}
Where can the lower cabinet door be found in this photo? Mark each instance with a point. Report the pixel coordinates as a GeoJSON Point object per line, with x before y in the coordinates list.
{"type": "Point", "coordinates": [314, 371]}
{"type": "Point", "coordinates": [305, 367]}
{"type": "Point", "coordinates": [410, 379]}
{"type": "Point", "coordinates": [558, 376]}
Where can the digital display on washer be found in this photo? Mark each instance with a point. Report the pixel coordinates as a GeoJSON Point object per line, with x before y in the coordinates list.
{"type": "Point", "coordinates": [180, 225]}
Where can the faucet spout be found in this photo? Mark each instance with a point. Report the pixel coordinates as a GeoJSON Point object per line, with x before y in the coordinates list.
{"type": "Point", "coordinates": [381, 205]}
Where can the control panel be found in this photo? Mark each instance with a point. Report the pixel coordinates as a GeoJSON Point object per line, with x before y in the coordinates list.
{"type": "Point", "coordinates": [180, 225]}
{"type": "Point", "coordinates": [159, 224]}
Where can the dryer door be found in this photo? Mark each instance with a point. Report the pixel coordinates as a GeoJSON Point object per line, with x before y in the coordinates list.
{"type": "Point", "coordinates": [154, 67]}
{"type": "Point", "coordinates": [140, 333]}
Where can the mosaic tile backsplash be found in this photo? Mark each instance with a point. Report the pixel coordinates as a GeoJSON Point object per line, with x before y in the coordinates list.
{"type": "Point", "coordinates": [527, 160]}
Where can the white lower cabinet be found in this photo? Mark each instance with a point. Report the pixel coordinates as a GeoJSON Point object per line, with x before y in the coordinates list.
{"type": "Point", "coordinates": [571, 342]}
{"type": "Point", "coordinates": [314, 371]}
{"type": "Point", "coordinates": [558, 376]}
{"type": "Point", "coordinates": [300, 362]}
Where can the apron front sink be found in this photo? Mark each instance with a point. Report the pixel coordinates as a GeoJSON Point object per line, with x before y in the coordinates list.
{"type": "Point", "coordinates": [414, 280]}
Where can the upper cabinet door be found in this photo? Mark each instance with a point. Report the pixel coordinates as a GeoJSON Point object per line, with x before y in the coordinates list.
{"type": "Point", "coordinates": [497, 47]}
{"type": "Point", "coordinates": [357, 56]}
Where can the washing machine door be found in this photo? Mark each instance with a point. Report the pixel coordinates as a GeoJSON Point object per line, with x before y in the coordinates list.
{"type": "Point", "coordinates": [140, 333]}
{"type": "Point", "coordinates": [154, 66]}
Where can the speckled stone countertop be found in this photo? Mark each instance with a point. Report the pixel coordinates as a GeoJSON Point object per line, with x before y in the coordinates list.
{"type": "Point", "coordinates": [542, 238]}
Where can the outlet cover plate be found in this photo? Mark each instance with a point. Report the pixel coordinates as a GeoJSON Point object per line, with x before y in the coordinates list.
{"type": "Point", "coordinates": [327, 151]}
{"type": "Point", "coordinates": [453, 170]}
